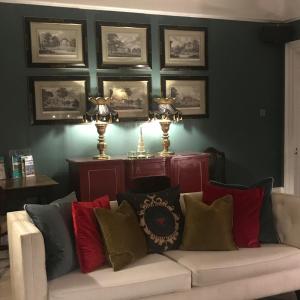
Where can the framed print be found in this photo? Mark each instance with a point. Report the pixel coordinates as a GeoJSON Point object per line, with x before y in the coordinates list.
{"type": "Point", "coordinates": [56, 43]}
{"type": "Point", "coordinates": [190, 94]}
{"type": "Point", "coordinates": [58, 99]}
{"type": "Point", "coordinates": [183, 47]}
{"type": "Point", "coordinates": [123, 45]}
{"type": "Point", "coordinates": [129, 96]}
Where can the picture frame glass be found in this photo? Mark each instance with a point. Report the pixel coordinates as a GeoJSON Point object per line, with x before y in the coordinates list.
{"type": "Point", "coordinates": [59, 100]}
{"type": "Point", "coordinates": [124, 45]}
{"type": "Point", "coordinates": [189, 95]}
{"type": "Point", "coordinates": [56, 43]}
{"type": "Point", "coordinates": [129, 98]}
{"type": "Point", "coordinates": [184, 48]}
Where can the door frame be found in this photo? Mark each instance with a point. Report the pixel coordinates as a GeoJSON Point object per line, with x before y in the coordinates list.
{"type": "Point", "coordinates": [290, 143]}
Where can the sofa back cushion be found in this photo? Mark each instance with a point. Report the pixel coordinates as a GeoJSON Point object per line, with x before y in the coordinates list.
{"type": "Point", "coordinates": [124, 239]}
{"type": "Point", "coordinates": [89, 245]}
{"type": "Point", "coordinates": [159, 216]}
{"type": "Point", "coordinates": [246, 211]}
{"type": "Point", "coordinates": [208, 227]}
{"type": "Point", "coordinates": [53, 220]}
{"type": "Point", "coordinates": [267, 232]}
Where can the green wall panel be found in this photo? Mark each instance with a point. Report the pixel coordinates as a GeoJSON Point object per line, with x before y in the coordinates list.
{"type": "Point", "coordinates": [245, 75]}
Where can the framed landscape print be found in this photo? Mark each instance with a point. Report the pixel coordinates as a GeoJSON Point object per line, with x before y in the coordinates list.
{"type": "Point", "coordinates": [183, 47]}
{"type": "Point", "coordinates": [58, 99]}
{"type": "Point", "coordinates": [56, 43]}
{"type": "Point", "coordinates": [129, 96]}
{"type": "Point", "coordinates": [123, 45]}
{"type": "Point", "coordinates": [190, 94]}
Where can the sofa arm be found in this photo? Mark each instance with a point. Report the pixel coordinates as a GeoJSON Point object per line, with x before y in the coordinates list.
{"type": "Point", "coordinates": [286, 210]}
{"type": "Point", "coordinates": [27, 258]}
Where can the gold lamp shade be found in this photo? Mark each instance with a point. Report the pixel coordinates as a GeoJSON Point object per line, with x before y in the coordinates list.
{"type": "Point", "coordinates": [102, 114]}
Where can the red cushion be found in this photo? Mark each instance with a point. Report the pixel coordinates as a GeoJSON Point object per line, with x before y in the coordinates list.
{"type": "Point", "coordinates": [246, 212]}
{"type": "Point", "coordinates": [89, 245]}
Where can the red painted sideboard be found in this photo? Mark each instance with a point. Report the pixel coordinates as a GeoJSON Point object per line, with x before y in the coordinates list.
{"type": "Point", "coordinates": [93, 178]}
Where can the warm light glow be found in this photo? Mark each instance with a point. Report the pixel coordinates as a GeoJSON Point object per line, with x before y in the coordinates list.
{"type": "Point", "coordinates": [151, 128]}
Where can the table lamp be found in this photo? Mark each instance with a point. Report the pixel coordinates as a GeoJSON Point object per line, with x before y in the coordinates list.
{"type": "Point", "coordinates": [166, 114]}
{"type": "Point", "coordinates": [102, 114]}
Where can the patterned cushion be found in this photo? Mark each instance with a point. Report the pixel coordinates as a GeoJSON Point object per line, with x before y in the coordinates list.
{"type": "Point", "coordinates": [159, 216]}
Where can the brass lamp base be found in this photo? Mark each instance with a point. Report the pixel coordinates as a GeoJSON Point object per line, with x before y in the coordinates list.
{"type": "Point", "coordinates": [165, 126]}
{"type": "Point", "coordinates": [101, 127]}
{"type": "Point", "coordinates": [166, 153]}
{"type": "Point", "coordinates": [103, 156]}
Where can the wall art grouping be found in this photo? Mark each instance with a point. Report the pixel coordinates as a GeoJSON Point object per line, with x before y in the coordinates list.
{"type": "Point", "coordinates": [63, 43]}
{"type": "Point", "coordinates": [53, 43]}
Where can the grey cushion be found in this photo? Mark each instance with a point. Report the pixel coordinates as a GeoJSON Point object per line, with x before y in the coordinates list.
{"type": "Point", "coordinates": [55, 223]}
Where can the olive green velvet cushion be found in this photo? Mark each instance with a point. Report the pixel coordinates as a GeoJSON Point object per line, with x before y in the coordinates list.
{"type": "Point", "coordinates": [208, 227]}
{"type": "Point", "coordinates": [122, 234]}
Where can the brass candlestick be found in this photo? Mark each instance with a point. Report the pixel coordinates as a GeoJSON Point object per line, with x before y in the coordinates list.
{"type": "Point", "coordinates": [165, 126]}
{"type": "Point", "coordinates": [101, 128]}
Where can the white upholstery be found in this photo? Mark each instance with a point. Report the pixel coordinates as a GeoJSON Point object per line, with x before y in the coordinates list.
{"type": "Point", "coordinates": [244, 289]}
{"type": "Point", "coordinates": [152, 275]}
{"type": "Point", "coordinates": [286, 209]}
{"type": "Point", "coordinates": [27, 258]}
{"type": "Point", "coordinates": [244, 274]}
{"type": "Point", "coordinates": [215, 267]}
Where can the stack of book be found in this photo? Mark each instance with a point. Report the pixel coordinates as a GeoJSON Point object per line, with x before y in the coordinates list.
{"type": "Point", "coordinates": [22, 164]}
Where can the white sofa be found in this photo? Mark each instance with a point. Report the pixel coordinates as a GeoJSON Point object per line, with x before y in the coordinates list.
{"type": "Point", "coordinates": [178, 275]}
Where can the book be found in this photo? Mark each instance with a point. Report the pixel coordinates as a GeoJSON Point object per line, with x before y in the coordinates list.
{"type": "Point", "coordinates": [27, 166]}
{"type": "Point", "coordinates": [16, 163]}
{"type": "Point", "coordinates": [2, 168]}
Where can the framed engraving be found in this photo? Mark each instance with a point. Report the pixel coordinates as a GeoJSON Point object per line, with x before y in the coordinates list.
{"type": "Point", "coordinates": [58, 99]}
{"type": "Point", "coordinates": [129, 96]}
{"type": "Point", "coordinates": [190, 94]}
{"type": "Point", "coordinates": [183, 47]}
{"type": "Point", "coordinates": [56, 43]}
{"type": "Point", "coordinates": [123, 45]}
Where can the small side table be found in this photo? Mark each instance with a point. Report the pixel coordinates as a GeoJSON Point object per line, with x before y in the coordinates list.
{"type": "Point", "coordinates": [14, 193]}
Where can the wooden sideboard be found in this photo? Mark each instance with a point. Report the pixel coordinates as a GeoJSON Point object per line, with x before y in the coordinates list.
{"type": "Point", "coordinates": [93, 178]}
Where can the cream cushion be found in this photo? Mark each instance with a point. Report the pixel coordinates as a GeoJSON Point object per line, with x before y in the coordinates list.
{"type": "Point", "coordinates": [154, 274]}
{"type": "Point", "coordinates": [216, 267]}
{"type": "Point", "coordinates": [286, 209]}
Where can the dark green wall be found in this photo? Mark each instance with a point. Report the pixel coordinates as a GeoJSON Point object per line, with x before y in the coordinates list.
{"type": "Point", "coordinates": [245, 75]}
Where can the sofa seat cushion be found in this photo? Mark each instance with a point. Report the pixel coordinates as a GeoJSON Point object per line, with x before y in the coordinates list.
{"type": "Point", "coordinates": [152, 275]}
{"type": "Point", "coordinates": [215, 267]}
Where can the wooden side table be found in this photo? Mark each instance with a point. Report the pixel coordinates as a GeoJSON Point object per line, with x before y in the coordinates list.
{"type": "Point", "coordinates": [14, 193]}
